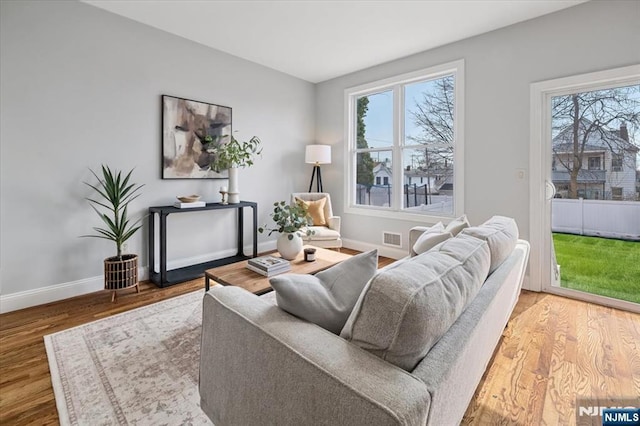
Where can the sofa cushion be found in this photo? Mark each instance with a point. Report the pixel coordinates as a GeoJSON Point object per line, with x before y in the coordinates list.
{"type": "Point", "coordinates": [457, 225]}
{"type": "Point", "coordinates": [501, 233]}
{"type": "Point", "coordinates": [320, 233]}
{"type": "Point", "coordinates": [328, 297]}
{"type": "Point", "coordinates": [430, 238]}
{"type": "Point", "coordinates": [404, 310]}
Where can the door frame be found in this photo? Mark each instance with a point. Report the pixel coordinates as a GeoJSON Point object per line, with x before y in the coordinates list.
{"type": "Point", "coordinates": [540, 268]}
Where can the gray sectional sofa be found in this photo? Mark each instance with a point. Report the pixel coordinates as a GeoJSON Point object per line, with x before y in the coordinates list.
{"type": "Point", "coordinates": [260, 365]}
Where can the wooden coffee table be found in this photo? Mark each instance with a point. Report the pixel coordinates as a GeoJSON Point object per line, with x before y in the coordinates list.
{"type": "Point", "coordinates": [238, 275]}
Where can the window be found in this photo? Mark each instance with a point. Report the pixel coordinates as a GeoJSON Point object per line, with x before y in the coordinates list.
{"type": "Point", "coordinates": [402, 131]}
{"type": "Point", "coordinates": [616, 193]}
{"type": "Point", "coordinates": [616, 162]}
{"type": "Point", "coordinates": [594, 163]}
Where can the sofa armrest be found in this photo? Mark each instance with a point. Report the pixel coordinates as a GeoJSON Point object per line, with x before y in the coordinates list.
{"type": "Point", "coordinates": [333, 222]}
{"type": "Point", "coordinates": [260, 365]}
{"type": "Point", "coordinates": [414, 234]}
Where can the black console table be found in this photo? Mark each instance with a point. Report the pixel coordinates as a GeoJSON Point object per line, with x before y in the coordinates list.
{"type": "Point", "coordinates": [166, 278]}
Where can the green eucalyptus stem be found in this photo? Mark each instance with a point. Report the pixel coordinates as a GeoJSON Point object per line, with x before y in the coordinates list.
{"type": "Point", "coordinates": [235, 153]}
{"type": "Point", "coordinates": [290, 219]}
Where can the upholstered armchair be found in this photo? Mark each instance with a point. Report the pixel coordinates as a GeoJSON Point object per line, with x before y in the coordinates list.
{"type": "Point", "coordinates": [326, 226]}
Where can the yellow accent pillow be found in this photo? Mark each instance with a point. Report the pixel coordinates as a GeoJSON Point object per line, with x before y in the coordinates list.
{"type": "Point", "coordinates": [315, 209]}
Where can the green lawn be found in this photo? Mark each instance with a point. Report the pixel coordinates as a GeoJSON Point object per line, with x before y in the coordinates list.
{"type": "Point", "coordinates": [599, 265]}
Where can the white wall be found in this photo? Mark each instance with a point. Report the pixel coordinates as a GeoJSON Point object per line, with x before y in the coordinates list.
{"type": "Point", "coordinates": [80, 87]}
{"type": "Point", "coordinates": [499, 67]}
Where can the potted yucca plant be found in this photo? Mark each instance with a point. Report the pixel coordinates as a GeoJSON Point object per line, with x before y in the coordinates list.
{"type": "Point", "coordinates": [114, 192]}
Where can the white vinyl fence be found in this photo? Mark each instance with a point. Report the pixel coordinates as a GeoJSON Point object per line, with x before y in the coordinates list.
{"type": "Point", "coordinates": [601, 218]}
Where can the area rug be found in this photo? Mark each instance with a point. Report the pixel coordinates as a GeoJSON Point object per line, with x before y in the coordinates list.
{"type": "Point", "coordinates": [139, 367]}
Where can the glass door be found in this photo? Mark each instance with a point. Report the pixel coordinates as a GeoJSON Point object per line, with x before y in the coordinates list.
{"type": "Point", "coordinates": [585, 187]}
{"type": "Point", "coordinates": [593, 194]}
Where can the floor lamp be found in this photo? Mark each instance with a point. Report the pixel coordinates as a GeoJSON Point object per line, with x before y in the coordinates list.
{"type": "Point", "coordinates": [316, 155]}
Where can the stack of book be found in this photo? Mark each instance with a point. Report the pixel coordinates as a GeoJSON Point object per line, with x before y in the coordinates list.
{"type": "Point", "coordinates": [268, 265]}
{"type": "Point", "coordinates": [190, 205]}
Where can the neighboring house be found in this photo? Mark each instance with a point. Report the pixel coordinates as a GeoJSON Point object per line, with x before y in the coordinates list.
{"type": "Point", "coordinates": [608, 164]}
{"type": "Point", "coordinates": [418, 184]}
{"type": "Point", "coordinates": [381, 174]}
{"type": "Point", "coordinates": [438, 180]}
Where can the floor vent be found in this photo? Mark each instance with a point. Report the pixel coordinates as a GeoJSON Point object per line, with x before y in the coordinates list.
{"type": "Point", "coordinates": [391, 239]}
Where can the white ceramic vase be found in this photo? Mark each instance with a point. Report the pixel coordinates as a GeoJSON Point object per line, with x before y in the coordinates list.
{"type": "Point", "coordinates": [289, 248]}
{"type": "Point", "coordinates": [234, 192]}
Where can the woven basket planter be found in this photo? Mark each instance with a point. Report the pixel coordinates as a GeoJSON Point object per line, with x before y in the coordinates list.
{"type": "Point", "coordinates": [120, 273]}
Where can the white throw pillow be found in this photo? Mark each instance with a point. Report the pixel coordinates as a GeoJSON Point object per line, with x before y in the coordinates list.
{"type": "Point", "coordinates": [328, 297]}
{"type": "Point", "coordinates": [430, 238]}
{"type": "Point", "coordinates": [457, 225]}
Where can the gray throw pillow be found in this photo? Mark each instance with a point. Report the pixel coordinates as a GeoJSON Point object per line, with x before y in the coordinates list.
{"type": "Point", "coordinates": [328, 297]}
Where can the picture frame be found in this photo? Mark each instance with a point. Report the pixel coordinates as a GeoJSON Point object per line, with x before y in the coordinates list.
{"type": "Point", "coordinates": [191, 131]}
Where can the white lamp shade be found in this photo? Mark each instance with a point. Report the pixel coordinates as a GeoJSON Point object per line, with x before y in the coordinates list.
{"type": "Point", "coordinates": [318, 154]}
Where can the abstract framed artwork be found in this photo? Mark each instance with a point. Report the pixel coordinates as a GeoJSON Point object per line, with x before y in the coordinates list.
{"type": "Point", "coordinates": [191, 130]}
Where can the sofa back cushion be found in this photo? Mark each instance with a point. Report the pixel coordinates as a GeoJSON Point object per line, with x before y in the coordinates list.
{"type": "Point", "coordinates": [404, 310]}
{"type": "Point", "coordinates": [500, 233]}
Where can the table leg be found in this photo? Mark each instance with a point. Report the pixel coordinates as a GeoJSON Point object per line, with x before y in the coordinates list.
{"type": "Point", "coordinates": [255, 230]}
{"type": "Point", "coordinates": [240, 231]}
{"type": "Point", "coordinates": [163, 249]}
{"type": "Point", "coordinates": [152, 245]}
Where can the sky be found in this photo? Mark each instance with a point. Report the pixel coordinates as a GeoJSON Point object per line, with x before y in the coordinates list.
{"type": "Point", "coordinates": [379, 118]}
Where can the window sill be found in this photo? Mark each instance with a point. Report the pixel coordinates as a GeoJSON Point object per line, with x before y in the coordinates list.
{"type": "Point", "coordinates": [397, 214]}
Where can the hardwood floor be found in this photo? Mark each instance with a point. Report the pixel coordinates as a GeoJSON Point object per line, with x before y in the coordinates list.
{"type": "Point", "coordinates": [554, 349]}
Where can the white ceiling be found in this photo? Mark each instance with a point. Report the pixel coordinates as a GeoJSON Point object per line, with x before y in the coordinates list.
{"type": "Point", "coordinates": [320, 40]}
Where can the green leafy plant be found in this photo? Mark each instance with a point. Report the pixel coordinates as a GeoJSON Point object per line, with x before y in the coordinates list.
{"type": "Point", "coordinates": [115, 193]}
{"type": "Point", "coordinates": [234, 153]}
{"type": "Point", "coordinates": [290, 219]}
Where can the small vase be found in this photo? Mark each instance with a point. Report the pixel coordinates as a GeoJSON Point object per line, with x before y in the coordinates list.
{"type": "Point", "coordinates": [289, 248]}
{"type": "Point", "coordinates": [234, 193]}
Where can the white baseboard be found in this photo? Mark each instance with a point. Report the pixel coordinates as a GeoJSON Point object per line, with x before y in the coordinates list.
{"type": "Point", "coordinates": [53, 293]}
{"type": "Point", "coordinates": [385, 251]}
{"type": "Point", "coordinates": [525, 283]}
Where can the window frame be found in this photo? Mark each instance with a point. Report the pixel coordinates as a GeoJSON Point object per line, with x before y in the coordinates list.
{"type": "Point", "coordinates": [616, 197]}
{"type": "Point", "coordinates": [396, 84]}
{"type": "Point", "coordinates": [597, 166]}
{"type": "Point", "coordinates": [617, 162]}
